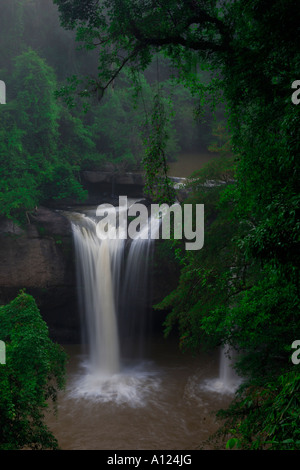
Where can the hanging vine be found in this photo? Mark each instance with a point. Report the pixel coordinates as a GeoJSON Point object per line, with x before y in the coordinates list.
{"type": "Point", "coordinates": [158, 185]}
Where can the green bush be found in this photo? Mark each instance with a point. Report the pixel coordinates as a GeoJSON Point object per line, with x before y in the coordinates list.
{"type": "Point", "coordinates": [30, 378]}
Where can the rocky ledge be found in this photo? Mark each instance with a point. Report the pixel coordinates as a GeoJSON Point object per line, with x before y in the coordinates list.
{"type": "Point", "coordinates": [39, 258]}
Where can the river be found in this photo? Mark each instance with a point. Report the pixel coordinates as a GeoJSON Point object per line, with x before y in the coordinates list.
{"type": "Point", "coordinates": [189, 162]}
{"type": "Point", "coordinates": [160, 403]}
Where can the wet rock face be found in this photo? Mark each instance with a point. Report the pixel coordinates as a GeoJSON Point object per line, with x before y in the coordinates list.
{"type": "Point", "coordinates": [51, 221]}
{"type": "Point", "coordinates": [28, 261]}
{"type": "Point", "coordinates": [39, 258]}
{"type": "Point", "coordinates": [35, 256]}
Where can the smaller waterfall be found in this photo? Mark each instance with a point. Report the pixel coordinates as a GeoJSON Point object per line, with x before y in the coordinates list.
{"type": "Point", "coordinates": [228, 381]}
{"type": "Point", "coordinates": [136, 291]}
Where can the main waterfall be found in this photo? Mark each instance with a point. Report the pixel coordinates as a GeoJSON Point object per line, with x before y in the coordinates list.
{"type": "Point", "coordinates": [113, 283]}
{"type": "Point", "coordinates": [113, 288]}
{"type": "Point", "coordinates": [98, 271]}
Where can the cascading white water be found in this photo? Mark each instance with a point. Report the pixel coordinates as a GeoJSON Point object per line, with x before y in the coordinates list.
{"type": "Point", "coordinates": [98, 277]}
{"type": "Point", "coordinates": [228, 376]}
{"type": "Point", "coordinates": [113, 284]}
{"type": "Point", "coordinates": [136, 290]}
{"type": "Point", "coordinates": [112, 278]}
{"type": "Point", "coordinates": [228, 380]}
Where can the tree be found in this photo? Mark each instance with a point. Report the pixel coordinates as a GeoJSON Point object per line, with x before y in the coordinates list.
{"type": "Point", "coordinates": [32, 375]}
{"type": "Point", "coordinates": [128, 32]}
{"type": "Point", "coordinates": [37, 112]}
{"type": "Point", "coordinates": [33, 166]}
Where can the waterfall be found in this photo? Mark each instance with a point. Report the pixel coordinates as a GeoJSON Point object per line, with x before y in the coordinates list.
{"type": "Point", "coordinates": [228, 377]}
{"type": "Point", "coordinates": [98, 273]}
{"type": "Point", "coordinates": [134, 321]}
{"type": "Point", "coordinates": [113, 286]}
{"type": "Point", "coordinates": [228, 381]}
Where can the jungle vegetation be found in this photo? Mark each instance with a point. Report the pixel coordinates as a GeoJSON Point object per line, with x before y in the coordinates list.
{"type": "Point", "coordinates": [238, 60]}
{"type": "Point", "coordinates": [242, 290]}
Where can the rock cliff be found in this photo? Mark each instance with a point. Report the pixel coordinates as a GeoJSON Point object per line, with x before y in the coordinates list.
{"type": "Point", "coordinates": [39, 258]}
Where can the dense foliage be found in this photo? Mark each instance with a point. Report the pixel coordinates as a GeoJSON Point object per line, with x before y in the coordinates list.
{"type": "Point", "coordinates": [30, 378]}
{"type": "Point", "coordinates": [32, 165]}
{"type": "Point", "coordinates": [44, 146]}
{"type": "Point", "coordinates": [46, 141]}
{"type": "Point", "coordinates": [243, 288]}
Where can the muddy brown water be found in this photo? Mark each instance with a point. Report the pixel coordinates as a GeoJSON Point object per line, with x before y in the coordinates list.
{"type": "Point", "coordinates": [160, 403]}
{"type": "Point", "coordinates": [189, 162]}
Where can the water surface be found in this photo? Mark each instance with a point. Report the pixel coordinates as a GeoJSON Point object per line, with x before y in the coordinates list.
{"type": "Point", "coordinates": [160, 403]}
{"type": "Point", "coordinates": [187, 163]}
